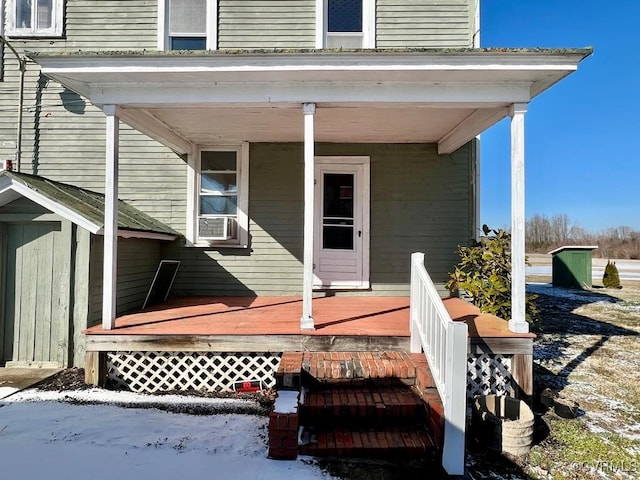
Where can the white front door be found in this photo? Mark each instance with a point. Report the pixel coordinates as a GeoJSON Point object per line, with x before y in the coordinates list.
{"type": "Point", "coordinates": [341, 223]}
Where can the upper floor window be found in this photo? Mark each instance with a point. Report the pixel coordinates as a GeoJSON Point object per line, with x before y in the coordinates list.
{"type": "Point", "coordinates": [345, 24]}
{"type": "Point", "coordinates": [35, 18]}
{"type": "Point", "coordinates": [187, 24]}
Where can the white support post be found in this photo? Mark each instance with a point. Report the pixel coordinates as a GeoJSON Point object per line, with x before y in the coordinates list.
{"type": "Point", "coordinates": [415, 342]}
{"type": "Point", "coordinates": [306, 321]}
{"type": "Point", "coordinates": [518, 322]}
{"type": "Point", "coordinates": [110, 220]}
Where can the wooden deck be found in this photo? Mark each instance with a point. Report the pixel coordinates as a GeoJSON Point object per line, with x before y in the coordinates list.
{"type": "Point", "coordinates": [272, 324]}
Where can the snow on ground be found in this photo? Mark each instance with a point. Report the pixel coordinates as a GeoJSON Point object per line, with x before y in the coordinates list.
{"type": "Point", "coordinates": [6, 391]}
{"type": "Point", "coordinates": [43, 435]}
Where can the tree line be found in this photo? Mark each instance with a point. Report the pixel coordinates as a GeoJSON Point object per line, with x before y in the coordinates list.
{"type": "Point", "coordinates": [546, 233]}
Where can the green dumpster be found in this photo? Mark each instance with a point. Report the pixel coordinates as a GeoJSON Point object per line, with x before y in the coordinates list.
{"type": "Point", "coordinates": [572, 265]}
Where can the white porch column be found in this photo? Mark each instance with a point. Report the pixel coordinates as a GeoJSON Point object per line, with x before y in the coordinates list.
{"type": "Point", "coordinates": [306, 322]}
{"type": "Point", "coordinates": [518, 321]}
{"type": "Point", "coordinates": [110, 219]}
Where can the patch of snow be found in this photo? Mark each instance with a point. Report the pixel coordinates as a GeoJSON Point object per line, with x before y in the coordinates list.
{"type": "Point", "coordinates": [6, 391]}
{"type": "Point", "coordinates": [120, 398]}
{"type": "Point", "coordinates": [53, 439]}
{"type": "Point", "coordinates": [286, 402]}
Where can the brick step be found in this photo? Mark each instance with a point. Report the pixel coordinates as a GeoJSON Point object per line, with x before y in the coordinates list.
{"type": "Point", "coordinates": [369, 405]}
{"type": "Point", "coordinates": [390, 442]}
{"type": "Point", "coordinates": [345, 367]}
{"type": "Point", "coordinates": [313, 368]}
{"type": "Point", "coordinates": [358, 404]}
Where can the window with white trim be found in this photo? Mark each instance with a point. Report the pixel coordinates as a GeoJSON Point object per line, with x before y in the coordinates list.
{"type": "Point", "coordinates": [187, 24]}
{"type": "Point", "coordinates": [346, 24]}
{"type": "Point", "coordinates": [35, 18]}
{"type": "Point", "coordinates": [222, 196]}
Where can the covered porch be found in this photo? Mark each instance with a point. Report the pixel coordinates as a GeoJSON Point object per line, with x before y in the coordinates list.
{"type": "Point", "coordinates": [439, 99]}
{"type": "Point", "coordinates": [187, 102]}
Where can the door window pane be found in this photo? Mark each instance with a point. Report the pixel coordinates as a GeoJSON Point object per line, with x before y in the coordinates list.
{"type": "Point", "coordinates": [188, 43]}
{"type": "Point", "coordinates": [338, 195]}
{"type": "Point", "coordinates": [337, 238]}
{"type": "Point", "coordinates": [337, 216]}
{"type": "Point", "coordinates": [344, 16]}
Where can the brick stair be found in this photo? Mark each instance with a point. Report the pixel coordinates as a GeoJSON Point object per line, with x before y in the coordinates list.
{"type": "Point", "coordinates": [358, 404]}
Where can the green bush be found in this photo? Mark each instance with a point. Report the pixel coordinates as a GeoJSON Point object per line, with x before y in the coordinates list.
{"type": "Point", "coordinates": [484, 273]}
{"type": "Point", "coordinates": [611, 278]}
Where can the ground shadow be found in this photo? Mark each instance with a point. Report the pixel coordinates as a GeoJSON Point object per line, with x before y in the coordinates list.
{"type": "Point", "coordinates": [557, 308]}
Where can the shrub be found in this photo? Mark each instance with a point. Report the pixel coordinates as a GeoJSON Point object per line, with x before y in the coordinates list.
{"type": "Point", "coordinates": [611, 278]}
{"type": "Point", "coordinates": [484, 273]}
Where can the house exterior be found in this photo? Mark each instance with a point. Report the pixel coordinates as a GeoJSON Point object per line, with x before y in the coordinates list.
{"type": "Point", "coordinates": [252, 233]}
{"type": "Point", "coordinates": [300, 148]}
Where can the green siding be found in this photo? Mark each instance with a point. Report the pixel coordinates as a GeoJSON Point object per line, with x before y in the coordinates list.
{"type": "Point", "coordinates": [22, 206]}
{"type": "Point", "coordinates": [137, 263]}
{"type": "Point", "coordinates": [63, 135]}
{"type": "Point", "coordinates": [420, 201]}
{"type": "Point", "coordinates": [424, 23]}
{"type": "Point", "coordinates": [255, 24]}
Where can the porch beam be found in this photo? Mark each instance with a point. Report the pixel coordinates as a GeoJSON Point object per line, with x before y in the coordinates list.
{"type": "Point", "coordinates": [110, 219]}
{"type": "Point", "coordinates": [286, 91]}
{"type": "Point", "coordinates": [469, 128]}
{"type": "Point", "coordinates": [306, 321]}
{"type": "Point", "coordinates": [518, 322]}
{"type": "Point", "coordinates": [143, 121]}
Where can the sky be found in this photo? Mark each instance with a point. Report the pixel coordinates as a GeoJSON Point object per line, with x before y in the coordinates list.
{"type": "Point", "coordinates": [582, 157]}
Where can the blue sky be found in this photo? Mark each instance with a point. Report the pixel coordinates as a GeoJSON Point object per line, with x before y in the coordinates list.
{"type": "Point", "coordinates": [582, 153]}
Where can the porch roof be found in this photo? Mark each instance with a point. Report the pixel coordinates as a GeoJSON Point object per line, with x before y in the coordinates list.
{"type": "Point", "coordinates": [82, 207]}
{"type": "Point", "coordinates": [447, 96]}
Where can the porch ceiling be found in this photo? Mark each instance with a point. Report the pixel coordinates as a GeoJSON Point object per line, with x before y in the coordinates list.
{"type": "Point", "coordinates": [442, 96]}
{"type": "Point", "coordinates": [334, 123]}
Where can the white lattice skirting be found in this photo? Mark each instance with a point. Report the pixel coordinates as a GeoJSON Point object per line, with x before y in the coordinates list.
{"type": "Point", "coordinates": [205, 371]}
{"type": "Point", "coordinates": [489, 374]}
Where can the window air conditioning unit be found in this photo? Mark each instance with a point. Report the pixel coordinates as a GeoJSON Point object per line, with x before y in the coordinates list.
{"type": "Point", "coordinates": [214, 228]}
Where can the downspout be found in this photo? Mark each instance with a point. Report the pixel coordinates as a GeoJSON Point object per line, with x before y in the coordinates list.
{"type": "Point", "coordinates": [22, 62]}
{"type": "Point", "coordinates": [476, 144]}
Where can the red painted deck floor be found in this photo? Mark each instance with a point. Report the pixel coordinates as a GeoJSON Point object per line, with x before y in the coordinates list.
{"type": "Point", "coordinates": [335, 315]}
{"type": "Point", "coordinates": [371, 316]}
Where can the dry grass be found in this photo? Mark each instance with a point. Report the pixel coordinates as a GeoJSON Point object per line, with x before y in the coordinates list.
{"type": "Point", "coordinates": [589, 351]}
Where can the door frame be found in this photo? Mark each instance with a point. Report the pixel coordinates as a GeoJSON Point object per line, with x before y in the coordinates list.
{"type": "Point", "coordinates": [364, 162]}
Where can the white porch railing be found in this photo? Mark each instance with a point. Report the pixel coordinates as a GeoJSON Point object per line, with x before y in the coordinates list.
{"type": "Point", "coordinates": [444, 343]}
